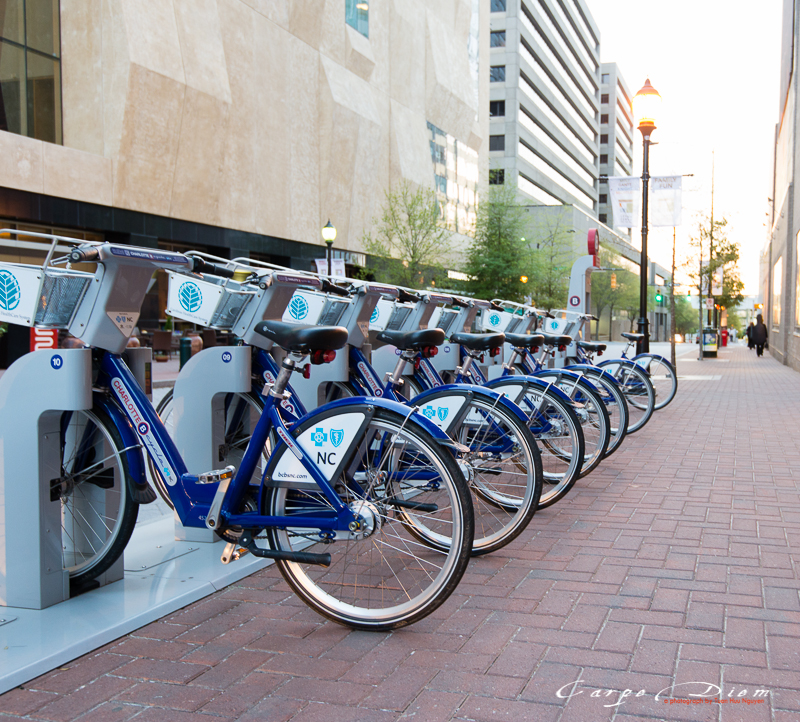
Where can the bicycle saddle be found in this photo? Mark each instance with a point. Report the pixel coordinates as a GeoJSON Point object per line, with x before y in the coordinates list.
{"type": "Point", "coordinates": [303, 339]}
{"type": "Point", "coordinates": [557, 340]}
{"type": "Point", "coordinates": [525, 340]}
{"type": "Point", "coordinates": [478, 341]}
{"type": "Point", "coordinates": [406, 340]}
{"type": "Point", "coordinates": [633, 336]}
{"type": "Point", "coordinates": [592, 346]}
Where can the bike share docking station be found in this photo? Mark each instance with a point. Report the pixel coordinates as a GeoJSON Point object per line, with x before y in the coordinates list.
{"type": "Point", "coordinates": [163, 567]}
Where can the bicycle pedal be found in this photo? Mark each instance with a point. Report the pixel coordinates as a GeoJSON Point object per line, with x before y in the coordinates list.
{"type": "Point", "coordinates": [215, 476]}
{"type": "Point", "coordinates": [233, 554]}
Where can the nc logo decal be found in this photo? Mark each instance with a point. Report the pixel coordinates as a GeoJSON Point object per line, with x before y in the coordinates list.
{"type": "Point", "coordinates": [298, 308]}
{"type": "Point", "coordinates": [9, 291]}
{"type": "Point", "coordinates": [190, 296]}
{"type": "Point", "coordinates": [337, 436]}
{"type": "Point", "coordinates": [319, 437]}
{"type": "Point", "coordinates": [494, 319]}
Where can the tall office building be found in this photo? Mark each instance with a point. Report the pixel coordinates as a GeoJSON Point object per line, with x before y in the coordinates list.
{"type": "Point", "coordinates": [544, 100]}
{"type": "Point", "coordinates": [616, 134]}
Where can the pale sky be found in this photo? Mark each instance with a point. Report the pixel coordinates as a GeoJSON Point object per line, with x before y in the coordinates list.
{"type": "Point", "coordinates": [716, 65]}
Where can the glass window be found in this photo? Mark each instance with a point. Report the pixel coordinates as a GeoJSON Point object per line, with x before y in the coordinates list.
{"type": "Point", "coordinates": [497, 108]}
{"type": "Point", "coordinates": [777, 289]}
{"type": "Point", "coordinates": [604, 78]}
{"type": "Point", "coordinates": [498, 39]}
{"type": "Point", "coordinates": [603, 158]}
{"type": "Point", "coordinates": [497, 73]}
{"type": "Point", "coordinates": [497, 142]}
{"type": "Point", "coordinates": [604, 198]}
{"type": "Point", "coordinates": [604, 138]}
{"type": "Point", "coordinates": [604, 118]}
{"type": "Point", "coordinates": [498, 6]}
{"type": "Point", "coordinates": [356, 15]}
{"type": "Point", "coordinates": [603, 218]}
{"type": "Point", "coordinates": [497, 177]}
{"type": "Point", "coordinates": [30, 69]}
{"type": "Point", "coordinates": [604, 98]}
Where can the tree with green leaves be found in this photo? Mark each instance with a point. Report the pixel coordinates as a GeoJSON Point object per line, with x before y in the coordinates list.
{"type": "Point", "coordinates": [621, 294]}
{"type": "Point", "coordinates": [410, 238]}
{"type": "Point", "coordinates": [499, 257]}
{"type": "Point", "coordinates": [552, 256]}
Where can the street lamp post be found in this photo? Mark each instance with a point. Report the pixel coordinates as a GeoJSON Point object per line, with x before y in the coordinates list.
{"type": "Point", "coordinates": [329, 236]}
{"type": "Point", "coordinates": [646, 104]}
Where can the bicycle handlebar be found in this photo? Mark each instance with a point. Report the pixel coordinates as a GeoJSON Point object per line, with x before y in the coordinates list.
{"type": "Point", "coordinates": [328, 287]}
{"type": "Point", "coordinates": [84, 255]}
{"type": "Point", "coordinates": [406, 297]}
{"type": "Point", "coordinates": [201, 266]}
{"type": "Point", "coordinates": [496, 306]}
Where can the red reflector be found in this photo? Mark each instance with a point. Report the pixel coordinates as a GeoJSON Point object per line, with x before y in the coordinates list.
{"type": "Point", "coordinates": [494, 351]}
{"type": "Point", "coordinates": [562, 347]}
{"type": "Point", "coordinates": [599, 353]}
{"type": "Point", "coordinates": [307, 371]}
{"type": "Point", "coordinates": [535, 349]}
{"type": "Point", "coordinates": [329, 356]}
{"type": "Point", "coordinates": [481, 358]}
{"type": "Point", "coordinates": [417, 362]}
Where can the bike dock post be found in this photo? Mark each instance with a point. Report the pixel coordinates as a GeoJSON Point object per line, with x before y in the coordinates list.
{"type": "Point", "coordinates": [198, 413]}
{"type": "Point", "coordinates": [34, 392]}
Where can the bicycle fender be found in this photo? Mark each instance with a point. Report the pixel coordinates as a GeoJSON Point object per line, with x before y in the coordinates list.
{"type": "Point", "coordinates": [532, 382]}
{"type": "Point", "coordinates": [566, 375]}
{"type": "Point", "coordinates": [381, 403]}
{"type": "Point", "coordinates": [654, 356]}
{"type": "Point", "coordinates": [440, 414]}
{"type": "Point", "coordinates": [622, 362]}
{"type": "Point", "coordinates": [139, 487]}
{"type": "Point", "coordinates": [593, 370]}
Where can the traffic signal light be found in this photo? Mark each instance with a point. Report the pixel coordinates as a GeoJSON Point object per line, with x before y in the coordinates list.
{"type": "Point", "coordinates": [659, 297]}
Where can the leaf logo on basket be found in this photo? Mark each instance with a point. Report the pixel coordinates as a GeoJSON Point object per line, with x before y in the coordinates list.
{"type": "Point", "coordinates": [319, 437]}
{"type": "Point", "coordinates": [298, 308]}
{"type": "Point", "coordinates": [337, 436]}
{"type": "Point", "coordinates": [10, 292]}
{"type": "Point", "coordinates": [494, 319]}
{"type": "Point", "coordinates": [190, 297]}
{"type": "Point", "coordinates": [374, 316]}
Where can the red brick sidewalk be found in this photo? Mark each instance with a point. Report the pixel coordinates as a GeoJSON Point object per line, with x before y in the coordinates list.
{"type": "Point", "coordinates": [673, 563]}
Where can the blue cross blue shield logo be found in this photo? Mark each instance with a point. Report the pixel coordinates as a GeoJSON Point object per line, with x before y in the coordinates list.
{"type": "Point", "coordinates": [443, 411]}
{"type": "Point", "coordinates": [190, 297]}
{"type": "Point", "coordinates": [319, 437]}
{"type": "Point", "coordinates": [429, 412]}
{"type": "Point", "coordinates": [337, 436]}
{"type": "Point", "coordinates": [10, 292]}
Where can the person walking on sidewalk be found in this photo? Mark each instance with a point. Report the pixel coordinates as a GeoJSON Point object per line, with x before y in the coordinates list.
{"type": "Point", "coordinates": [750, 335]}
{"type": "Point", "coordinates": [759, 335]}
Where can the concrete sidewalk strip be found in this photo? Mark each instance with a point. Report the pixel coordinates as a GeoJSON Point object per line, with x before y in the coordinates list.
{"type": "Point", "coordinates": [664, 586]}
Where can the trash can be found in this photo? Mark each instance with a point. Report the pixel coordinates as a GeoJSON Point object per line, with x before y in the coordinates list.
{"type": "Point", "coordinates": [185, 349]}
{"type": "Point", "coordinates": [709, 342]}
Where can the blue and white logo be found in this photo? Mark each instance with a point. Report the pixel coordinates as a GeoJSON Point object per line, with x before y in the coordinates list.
{"type": "Point", "coordinates": [443, 413]}
{"type": "Point", "coordinates": [226, 357]}
{"type": "Point", "coordinates": [554, 325]}
{"type": "Point", "coordinates": [494, 319]}
{"type": "Point", "coordinates": [298, 308]}
{"type": "Point", "coordinates": [190, 297]}
{"type": "Point", "coordinates": [319, 437]}
{"type": "Point", "coordinates": [56, 362]}
{"type": "Point", "coordinates": [429, 412]}
{"type": "Point", "coordinates": [143, 428]}
{"type": "Point", "coordinates": [374, 316]}
{"type": "Point", "coordinates": [10, 292]}
{"type": "Point", "coordinates": [337, 436]}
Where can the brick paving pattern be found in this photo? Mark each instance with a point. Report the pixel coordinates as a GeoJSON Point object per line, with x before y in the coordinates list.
{"type": "Point", "coordinates": [672, 564]}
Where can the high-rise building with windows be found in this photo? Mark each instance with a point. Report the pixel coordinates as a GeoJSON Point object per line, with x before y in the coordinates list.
{"type": "Point", "coordinates": [616, 134]}
{"type": "Point", "coordinates": [544, 100]}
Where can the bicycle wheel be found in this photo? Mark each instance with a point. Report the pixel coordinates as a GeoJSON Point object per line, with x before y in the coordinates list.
{"type": "Point", "coordinates": [592, 415]}
{"type": "Point", "coordinates": [556, 427]}
{"type": "Point", "coordinates": [381, 577]}
{"type": "Point", "coordinates": [502, 466]}
{"type": "Point", "coordinates": [240, 413]}
{"type": "Point", "coordinates": [97, 511]}
{"type": "Point", "coordinates": [615, 404]}
{"type": "Point", "coordinates": [639, 393]}
{"type": "Point", "coordinates": [662, 376]}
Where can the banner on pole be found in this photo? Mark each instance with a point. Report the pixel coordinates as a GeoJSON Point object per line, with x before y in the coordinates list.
{"type": "Point", "coordinates": [337, 267]}
{"type": "Point", "coordinates": [624, 191]}
{"type": "Point", "coordinates": [665, 200]}
{"type": "Point", "coordinates": [716, 282]}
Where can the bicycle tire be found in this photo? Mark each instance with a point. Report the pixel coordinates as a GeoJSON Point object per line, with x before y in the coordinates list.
{"type": "Point", "coordinates": [388, 579]}
{"type": "Point", "coordinates": [98, 513]}
{"type": "Point", "coordinates": [638, 390]}
{"type": "Point", "coordinates": [503, 469]}
{"type": "Point", "coordinates": [592, 414]}
{"type": "Point", "coordinates": [240, 412]}
{"type": "Point", "coordinates": [662, 376]}
{"type": "Point", "coordinates": [616, 405]}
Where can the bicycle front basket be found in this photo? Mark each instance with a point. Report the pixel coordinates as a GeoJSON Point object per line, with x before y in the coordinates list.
{"type": "Point", "coordinates": [214, 305]}
{"type": "Point", "coordinates": [59, 298]}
